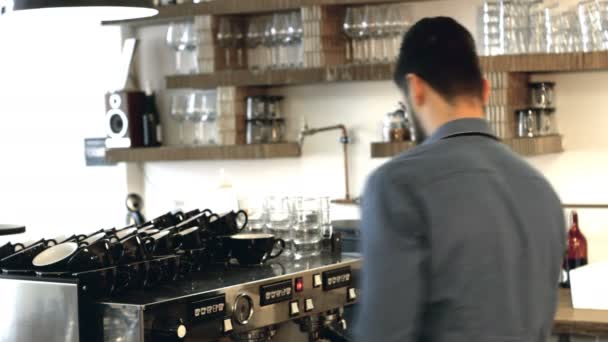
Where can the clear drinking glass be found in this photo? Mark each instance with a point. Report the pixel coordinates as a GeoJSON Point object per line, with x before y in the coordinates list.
{"type": "Point", "coordinates": [326, 227]}
{"type": "Point", "coordinates": [257, 217]}
{"type": "Point", "coordinates": [307, 228]}
{"type": "Point", "coordinates": [297, 36]}
{"type": "Point", "coordinates": [179, 107]}
{"type": "Point", "coordinates": [280, 220]}
{"type": "Point", "coordinates": [491, 29]}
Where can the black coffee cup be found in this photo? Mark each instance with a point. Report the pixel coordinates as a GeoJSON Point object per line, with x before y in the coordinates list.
{"type": "Point", "coordinates": [162, 243]}
{"type": "Point", "coordinates": [195, 212]}
{"type": "Point", "coordinates": [9, 249]}
{"type": "Point", "coordinates": [103, 246]}
{"type": "Point", "coordinates": [189, 238]}
{"type": "Point", "coordinates": [22, 259]}
{"type": "Point", "coordinates": [229, 224]}
{"type": "Point", "coordinates": [219, 249]}
{"type": "Point", "coordinates": [137, 274]}
{"type": "Point", "coordinates": [99, 282]}
{"type": "Point", "coordinates": [253, 249]}
{"type": "Point", "coordinates": [134, 249]}
{"type": "Point", "coordinates": [66, 256]}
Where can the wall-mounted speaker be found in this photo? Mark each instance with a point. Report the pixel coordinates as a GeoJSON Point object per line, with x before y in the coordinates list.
{"type": "Point", "coordinates": [124, 112]}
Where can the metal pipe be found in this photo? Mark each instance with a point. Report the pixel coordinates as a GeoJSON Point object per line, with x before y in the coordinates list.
{"type": "Point", "coordinates": [344, 140]}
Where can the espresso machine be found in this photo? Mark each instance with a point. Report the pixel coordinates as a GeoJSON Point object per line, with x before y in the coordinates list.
{"type": "Point", "coordinates": [181, 297]}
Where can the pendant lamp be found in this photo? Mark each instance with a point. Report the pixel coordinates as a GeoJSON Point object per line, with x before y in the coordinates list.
{"type": "Point", "coordinates": [79, 9]}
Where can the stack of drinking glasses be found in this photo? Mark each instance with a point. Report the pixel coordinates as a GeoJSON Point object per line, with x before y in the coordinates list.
{"type": "Point", "coordinates": [374, 32]}
{"type": "Point", "coordinates": [199, 109]}
{"type": "Point", "coordinates": [300, 221]}
{"type": "Point", "coordinates": [183, 38]}
{"type": "Point", "coordinates": [536, 26]}
{"type": "Point", "coordinates": [275, 41]}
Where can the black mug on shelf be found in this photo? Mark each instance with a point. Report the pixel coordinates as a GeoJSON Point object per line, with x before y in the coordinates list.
{"type": "Point", "coordinates": [254, 249]}
{"type": "Point", "coordinates": [228, 224]}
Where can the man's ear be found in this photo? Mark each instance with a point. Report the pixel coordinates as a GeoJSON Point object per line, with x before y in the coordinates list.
{"type": "Point", "coordinates": [486, 91]}
{"type": "Point", "coordinates": [417, 89]}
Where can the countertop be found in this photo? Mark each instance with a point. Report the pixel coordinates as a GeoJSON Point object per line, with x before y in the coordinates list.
{"type": "Point", "coordinates": [579, 321]}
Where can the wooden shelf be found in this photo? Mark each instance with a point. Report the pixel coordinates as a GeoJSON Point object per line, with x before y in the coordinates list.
{"type": "Point", "coordinates": [385, 150]}
{"type": "Point", "coordinates": [524, 146]}
{"type": "Point", "coordinates": [232, 7]}
{"type": "Point", "coordinates": [229, 152]}
{"type": "Point", "coordinates": [379, 72]}
{"type": "Point", "coordinates": [536, 146]}
{"type": "Point", "coordinates": [566, 62]}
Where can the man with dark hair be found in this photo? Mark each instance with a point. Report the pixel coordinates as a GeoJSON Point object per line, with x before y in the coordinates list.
{"type": "Point", "coordinates": [462, 239]}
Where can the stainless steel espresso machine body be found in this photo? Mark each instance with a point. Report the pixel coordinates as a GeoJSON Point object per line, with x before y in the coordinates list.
{"type": "Point", "coordinates": [220, 303]}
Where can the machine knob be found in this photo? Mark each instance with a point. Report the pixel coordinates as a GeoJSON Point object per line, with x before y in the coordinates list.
{"type": "Point", "coordinates": [177, 332]}
{"type": "Point", "coordinates": [243, 309]}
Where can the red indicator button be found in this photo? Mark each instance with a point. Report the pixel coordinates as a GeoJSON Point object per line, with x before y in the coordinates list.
{"type": "Point", "coordinates": [299, 284]}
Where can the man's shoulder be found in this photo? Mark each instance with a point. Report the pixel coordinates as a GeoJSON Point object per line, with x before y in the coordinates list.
{"type": "Point", "coordinates": [409, 167]}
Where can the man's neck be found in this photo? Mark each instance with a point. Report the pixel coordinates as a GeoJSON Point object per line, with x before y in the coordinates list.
{"type": "Point", "coordinates": [457, 109]}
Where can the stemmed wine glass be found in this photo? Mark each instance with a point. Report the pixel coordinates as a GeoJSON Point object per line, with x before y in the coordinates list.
{"type": "Point", "coordinates": [238, 41]}
{"type": "Point", "coordinates": [351, 32]}
{"type": "Point", "coordinates": [183, 37]}
{"type": "Point", "coordinates": [174, 41]}
{"type": "Point", "coordinates": [254, 39]}
{"type": "Point", "coordinates": [179, 108]}
{"type": "Point", "coordinates": [269, 42]}
{"type": "Point", "coordinates": [361, 24]}
{"type": "Point", "coordinates": [225, 37]}
{"type": "Point", "coordinates": [190, 40]}
{"type": "Point", "coordinates": [197, 101]}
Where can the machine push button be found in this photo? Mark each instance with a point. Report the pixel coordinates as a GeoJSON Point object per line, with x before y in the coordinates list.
{"type": "Point", "coordinates": [317, 281]}
{"type": "Point", "coordinates": [309, 305]}
{"type": "Point", "coordinates": [294, 308]}
{"type": "Point", "coordinates": [227, 326]}
{"type": "Point", "coordinates": [351, 294]}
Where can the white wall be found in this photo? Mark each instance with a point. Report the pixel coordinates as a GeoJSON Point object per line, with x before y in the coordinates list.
{"type": "Point", "coordinates": [577, 174]}
{"type": "Point", "coordinates": [52, 80]}
{"type": "Point", "coordinates": [53, 77]}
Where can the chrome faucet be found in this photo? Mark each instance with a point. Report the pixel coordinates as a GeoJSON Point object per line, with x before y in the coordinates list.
{"type": "Point", "coordinates": [344, 140]}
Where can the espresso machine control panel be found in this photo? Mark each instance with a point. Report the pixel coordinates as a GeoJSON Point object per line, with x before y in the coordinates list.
{"type": "Point", "coordinates": [232, 301]}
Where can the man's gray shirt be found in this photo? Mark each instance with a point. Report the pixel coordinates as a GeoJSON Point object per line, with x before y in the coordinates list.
{"type": "Point", "coordinates": [462, 242]}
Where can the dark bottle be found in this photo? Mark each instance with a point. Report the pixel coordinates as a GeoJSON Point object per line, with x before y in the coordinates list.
{"type": "Point", "coordinates": [576, 255]}
{"type": "Point", "coordinates": [152, 134]}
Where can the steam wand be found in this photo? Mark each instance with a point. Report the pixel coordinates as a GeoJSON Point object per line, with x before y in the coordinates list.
{"type": "Point", "coordinates": [344, 140]}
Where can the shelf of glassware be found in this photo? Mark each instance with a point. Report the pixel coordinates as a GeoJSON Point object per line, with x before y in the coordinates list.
{"type": "Point", "coordinates": [170, 13]}
{"type": "Point", "coordinates": [213, 152]}
{"type": "Point", "coordinates": [523, 146]}
{"type": "Point", "coordinates": [278, 77]}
